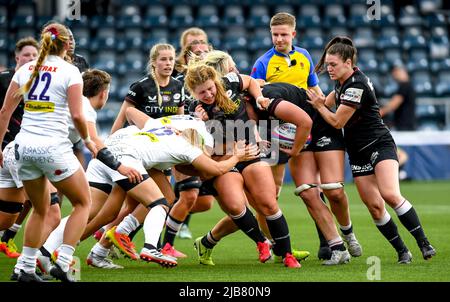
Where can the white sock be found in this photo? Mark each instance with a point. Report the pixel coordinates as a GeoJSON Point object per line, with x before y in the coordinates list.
{"type": "Point", "coordinates": [99, 250]}
{"type": "Point", "coordinates": [128, 225]}
{"type": "Point", "coordinates": [65, 256]}
{"type": "Point", "coordinates": [56, 237]}
{"type": "Point", "coordinates": [335, 241]}
{"type": "Point", "coordinates": [15, 227]}
{"type": "Point", "coordinates": [153, 224]}
{"type": "Point", "coordinates": [27, 260]}
{"type": "Point", "coordinates": [404, 207]}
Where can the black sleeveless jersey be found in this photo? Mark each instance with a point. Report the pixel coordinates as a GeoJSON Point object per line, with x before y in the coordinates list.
{"type": "Point", "coordinates": [232, 121]}
{"type": "Point", "coordinates": [16, 118]}
{"type": "Point", "coordinates": [80, 62]}
{"type": "Point", "coordinates": [365, 126]}
{"type": "Point", "coordinates": [297, 96]}
{"type": "Point", "coordinates": [287, 92]}
{"type": "Point", "coordinates": [143, 95]}
{"type": "Point", "coordinates": [188, 99]}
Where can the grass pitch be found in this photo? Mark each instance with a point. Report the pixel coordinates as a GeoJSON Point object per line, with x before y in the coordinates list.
{"type": "Point", "coordinates": [236, 257]}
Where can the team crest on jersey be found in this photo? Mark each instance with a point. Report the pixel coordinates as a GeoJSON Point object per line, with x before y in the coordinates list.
{"type": "Point", "coordinates": [352, 95]}
{"type": "Point", "coordinates": [176, 96]}
{"type": "Point", "coordinates": [232, 77]}
{"type": "Point", "coordinates": [229, 93]}
{"type": "Point", "coordinates": [374, 157]}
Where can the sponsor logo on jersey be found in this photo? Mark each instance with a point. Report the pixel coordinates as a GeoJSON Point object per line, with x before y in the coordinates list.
{"type": "Point", "coordinates": [323, 141]}
{"type": "Point", "coordinates": [38, 106]}
{"type": "Point", "coordinates": [131, 92]}
{"type": "Point", "coordinates": [352, 95]}
{"type": "Point", "coordinates": [166, 98]}
{"type": "Point", "coordinates": [60, 172]}
{"type": "Point", "coordinates": [361, 169]}
{"type": "Point", "coordinates": [232, 77]}
{"type": "Point", "coordinates": [44, 68]}
{"type": "Point", "coordinates": [150, 135]}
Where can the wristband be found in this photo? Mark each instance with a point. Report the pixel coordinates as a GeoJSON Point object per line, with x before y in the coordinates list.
{"type": "Point", "coordinates": [106, 157]}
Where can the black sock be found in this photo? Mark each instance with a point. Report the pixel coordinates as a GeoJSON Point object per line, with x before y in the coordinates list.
{"type": "Point", "coordinates": [159, 246]}
{"type": "Point", "coordinates": [170, 233]}
{"type": "Point", "coordinates": [339, 247]}
{"type": "Point", "coordinates": [323, 241]}
{"type": "Point", "coordinates": [133, 233]}
{"type": "Point", "coordinates": [44, 252]}
{"type": "Point", "coordinates": [208, 244]}
{"type": "Point", "coordinates": [149, 246]}
{"type": "Point", "coordinates": [346, 232]}
{"type": "Point", "coordinates": [390, 232]}
{"type": "Point", "coordinates": [412, 223]}
{"type": "Point", "coordinates": [8, 234]}
{"type": "Point", "coordinates": [279, 231]}
{"type": "Point", "coordinates": [249, 225]}
{"type": "Point", "coordinates": [188, 218]}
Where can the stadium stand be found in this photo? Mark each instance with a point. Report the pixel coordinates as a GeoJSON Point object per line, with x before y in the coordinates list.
{"type": "Point", "coordinates": [414, 33]}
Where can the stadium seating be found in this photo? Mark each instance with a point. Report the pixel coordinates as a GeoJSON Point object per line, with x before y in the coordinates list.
{"type": "Point", "coordinates": [415, 35]}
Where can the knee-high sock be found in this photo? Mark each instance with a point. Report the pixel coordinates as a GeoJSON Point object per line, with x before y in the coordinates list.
{"type": "Point", "coordinates": [279, 231]}
{"type": "Point", "coordinates": [56, 237]}
{"type": "Point", "coordinates": [153, 225]}
{"type": "Point", "coordinates": [408, 217]}
{"type": "Point", "coordinates": [247, 222]}
{"type": "Point", "coordinates": [389, 230]}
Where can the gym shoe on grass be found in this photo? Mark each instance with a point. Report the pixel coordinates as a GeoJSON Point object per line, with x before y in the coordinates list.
{"type": "Point", "coordinates": [353, 246]}
{"type": "Point", "coordinates": [338, 257]}
{"type": "Point", "coordinates": [290, 261]}
{"type": "Point", "coordinates": [100, 262]}
{"type": "Point", "coordinates": [404, 257]}
{"type": "Point", "coordinates": [169, 250]}
{"type": "Point", "coordinates": [122, 242]}
{"type": "Point", "coordinates": [264, 250]}
{"type": "Point", "coordinates": [57, 272]}
{"type": "Point", "coordinates": [153, 255]}
{"type": "Point", "coordinates": [203, 253]}
{"type": "Point", "coordinates": [427, 249]}
{"type": "Point", "coordinates": [9, 249]}
{"type": "Point", "coordinates": [28, 277]}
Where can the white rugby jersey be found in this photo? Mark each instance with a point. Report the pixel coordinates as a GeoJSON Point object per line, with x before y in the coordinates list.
{"type": "Point", "coordinates": [89, 113]}
{"type": "Point", "coordinates": [160, 148]}
{"type": "Point", "coordinates": [182, 122]}
{"type": "Point", "coordinates": [46, 112]}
